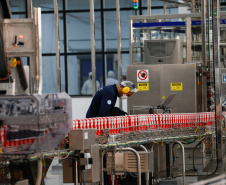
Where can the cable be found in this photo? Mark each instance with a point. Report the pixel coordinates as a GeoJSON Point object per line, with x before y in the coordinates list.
{"type": "Point", "coordinates": [211, 141]}
{"type": "Point", "coordinates": [105, 139]}
{"type": "Point", "coordinates": [190, 141]}
{"type": "Point", "coordinates": [194, 153]}
{"type": "Point", "coordinates": [44, 171]}
{"type": "Point", "coordinates": [135, 175]}
{"type": "Point", "coordinates": [7, 59]}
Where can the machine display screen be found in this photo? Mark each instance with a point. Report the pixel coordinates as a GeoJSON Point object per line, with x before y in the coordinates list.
{"type": "Point", "coordinates": [223, 78]}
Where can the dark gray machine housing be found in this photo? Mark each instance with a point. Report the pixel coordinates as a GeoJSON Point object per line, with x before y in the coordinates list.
{"type": "Point", "coordinates": [163, 51]}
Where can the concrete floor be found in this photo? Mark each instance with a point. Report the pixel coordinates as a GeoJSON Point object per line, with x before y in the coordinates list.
{"type": "Point", "coordinates": [54, 175]}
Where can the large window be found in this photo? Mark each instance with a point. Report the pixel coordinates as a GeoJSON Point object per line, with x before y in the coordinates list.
{"type": "Point", "coordinates": [75, 42]}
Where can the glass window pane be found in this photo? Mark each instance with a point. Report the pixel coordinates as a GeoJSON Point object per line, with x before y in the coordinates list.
{"type": "Point", "coordinates": [48, 33]}
{"type": "Point", "coordinates": [111, 76]}
{"type": "Point", "coordinates": [78, 32]}
{"type": "Point", "coordinates": [47, 5]}
{"type": "Point", "coordinates": [49, 74]}
{"type": "Point", "coordinates": [17, 6]}
{"type": "Point", "coordinates": [123, 4]}
{"type": "Point", "coordinates": [125, 62]}
{"type": "Point", "coordinates": [25, 61]}
{"type": "Point", "coordinates": [78, 4]}
{"type": "Point", "coordinates": [153, 12]}
{"type": "Point", "coordinates": [19, 16]}
{"type": "Point", "coordinates": [172, 11]}
{"type": "Point", "coordinates": [60, 4]}
{"type": "Point", "coordinates": [111, 30]}
{"type": "Point", "coordinates": [112, 65]}
{"type": "Point", "coordinates": [153, 3]}
{"type": "Point", "coordinates": [79, 81]}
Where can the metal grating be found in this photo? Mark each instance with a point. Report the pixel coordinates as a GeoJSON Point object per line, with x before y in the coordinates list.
{"type": "Point", "coordinates": [131, 161]}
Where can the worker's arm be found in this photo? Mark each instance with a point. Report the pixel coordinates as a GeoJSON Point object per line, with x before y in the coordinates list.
{"type": "Point", "coordinates": [119, 112]}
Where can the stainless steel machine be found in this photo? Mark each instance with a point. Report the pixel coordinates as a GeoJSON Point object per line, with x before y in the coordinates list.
{"type": "Point", "coordinates": [187, 81]}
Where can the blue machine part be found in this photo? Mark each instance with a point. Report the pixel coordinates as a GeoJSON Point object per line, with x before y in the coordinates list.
{"type": "Point", "coordinates": [164, 24]}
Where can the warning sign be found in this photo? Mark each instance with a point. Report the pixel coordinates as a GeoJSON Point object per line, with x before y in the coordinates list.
{"type": "Point", "coordinates": [142, 76]}
{"type": "Point", "coordinates": [177, 86]}
{"type": "Point", "coordinates": [143, 86]}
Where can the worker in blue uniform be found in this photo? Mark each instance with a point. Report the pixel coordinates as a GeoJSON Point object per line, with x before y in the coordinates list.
{"type": "Point", "coordinates": [103, 103]}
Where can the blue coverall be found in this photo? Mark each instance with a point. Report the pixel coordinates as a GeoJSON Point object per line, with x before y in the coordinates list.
{"type": "Point", "coordinates": [103, 103]}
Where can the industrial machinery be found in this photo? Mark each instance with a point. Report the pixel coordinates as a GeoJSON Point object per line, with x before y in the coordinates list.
{"type": "Point", "coordinates": [168, 63]}
{"type": "Point", "coordinates": [137, 144]}
{"type": "Point", "coordinates": [165, 60]}
{"type": "Point", "coordinates": [178, 139]}
{"type": "Point", "coordinates": [30, 122]}
{"type": "Point", "coordinates": [34, 123]}
{"type": "Point", "coordinates": [187, 81]}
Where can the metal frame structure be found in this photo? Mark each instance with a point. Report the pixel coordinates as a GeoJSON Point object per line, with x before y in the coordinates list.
{"type": "Point", "coordinates": [145, 19]}
{"type": "Point", "coordinates": [216, 67]}
{"type": "Point", "coordinates": [57, 44]}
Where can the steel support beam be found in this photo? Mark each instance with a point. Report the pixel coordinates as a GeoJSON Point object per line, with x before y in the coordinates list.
{"type": "Point", "coordinates": [93, 54]}
{"type": "Point", "coordinates": [218, 101]}
{"type": "Point", "coordinates": [57, 44]}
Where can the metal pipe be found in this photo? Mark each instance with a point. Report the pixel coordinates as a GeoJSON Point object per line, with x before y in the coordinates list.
{"type": "Point", "coordinates": [76, 173]}
{"type": "Point", "coordinates": [57, 44]}
{"type": "Point", "coordinates": [29, 9]}
{"type": "Point", "coordinates": [218, 100]}
{"type": "Point", "coordinates": [147, 173]}
{"type": "Point", "coordinates": [131, 40]}
{"type": "Point", "coordinates": [38, 54]}
{"type": "Point", "coordinates": [188, 39]}
{"type": "Point", "coordinates": [39, 173]}
{"type": "Point", "coordinates": [138, 162]}
{"type": "Point", "coordinates": [149, 7]}
{"type": "Point", "coordinates": [102, 171]}
{"type": "Point", "coordinates": [203, 28]}
{"type": "Point", "coordinates": [164, 7]}
{"type": "Point", "coordinates": [183, 158]}
{"type": "Point", "coordinates": [119, 46]}
{"type": "Point", "coordinates": [93, 54]}
{"type": "Point", "coordinates": [204, 58]}
{"type": "Point", "coordinates": [112, 179]}
{"type": "Point", "coordinates": [192, 6]}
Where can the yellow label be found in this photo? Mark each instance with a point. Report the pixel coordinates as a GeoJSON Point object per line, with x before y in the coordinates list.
{"type": "Point", "coordinates": [177, 86]}
{"type": "Point", "coordinates": [163, 97]}
{"type": "Point", "coordinates": [193, 66]}
{"type": "Point", "coordinates": [143, 86]}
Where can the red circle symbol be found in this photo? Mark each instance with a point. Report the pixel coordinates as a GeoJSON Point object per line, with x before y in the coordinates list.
{"type": "Point", "coordinates": [142, 75]}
